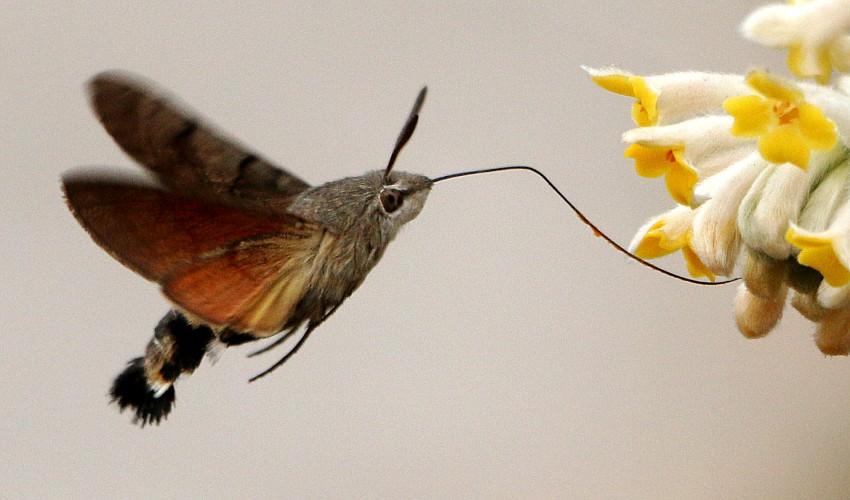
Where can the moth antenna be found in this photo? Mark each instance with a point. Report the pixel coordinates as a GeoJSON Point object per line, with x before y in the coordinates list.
{"type": "Point", "coordinates": [583, 218]}
{"type": "Point", "coordinates": [406, 131]}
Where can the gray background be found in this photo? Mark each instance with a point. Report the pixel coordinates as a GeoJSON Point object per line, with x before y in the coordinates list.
{"type": "Point", "coordinates": [498, 350]}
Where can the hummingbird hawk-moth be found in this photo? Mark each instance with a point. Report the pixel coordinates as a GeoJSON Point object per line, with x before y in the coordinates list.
{"type": "Point", "coordinates": [243, 249]}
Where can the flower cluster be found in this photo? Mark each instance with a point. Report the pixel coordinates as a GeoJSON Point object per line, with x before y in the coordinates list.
{"type": "Point", "coordinates": [759, 169]}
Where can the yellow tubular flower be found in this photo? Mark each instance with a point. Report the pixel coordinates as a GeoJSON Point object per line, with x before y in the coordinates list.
{"type": "Point", "coordinates": [668, 233]}
{"type": "Point", "coordinates": [654, 161]}
{"type": "Point", "coordinates": [787, 126]}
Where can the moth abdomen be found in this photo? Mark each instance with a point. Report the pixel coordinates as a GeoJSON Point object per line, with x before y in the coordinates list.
{"type": "Point", "coordinates": [147, 383]}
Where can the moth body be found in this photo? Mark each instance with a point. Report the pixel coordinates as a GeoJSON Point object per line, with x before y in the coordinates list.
{"type": "Point", "coordinates": [243, 249]}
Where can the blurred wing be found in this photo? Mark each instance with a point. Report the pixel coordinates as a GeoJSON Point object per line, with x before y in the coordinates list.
{"type": "Point", "coordinates": [226, 266]}
{"type": "Point", "coordinates": [186, 155]}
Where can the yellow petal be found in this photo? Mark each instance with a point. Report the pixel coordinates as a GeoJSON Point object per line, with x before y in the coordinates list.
{"type": "Point", "coordinates": [695, 266]}
{"type": "Point", "coordinates": [795, 60]}
{"type": "Point", "coordinates": [671, 243]}
{"type": "Point", "coordinates": [681, 179]}
{"type": "Point", "coordinates": [657, 243]}
{"type": "Point", "coordinates": [753, 115]}
{"type": "Point", "coordinates": [818, 130]}
{"type": "Point", "coordinates": [804, 239]}
{"type": "Point", "coordinates": [785, 144]}
{"type": "Point", "coordinates": [645, 110]}
{"type": "Point", "coordinates": [817, 251]}
{"type": "Point", "coordinates": [650, 161]}
{"type": "Point", "coordinates": [650, 247]}
{"type": "Point", "coordinates": [616, 83]}
{"type": "Point", "coordinates": [824, 260]}
{"type": "Point", "coordinates": [773, 87]}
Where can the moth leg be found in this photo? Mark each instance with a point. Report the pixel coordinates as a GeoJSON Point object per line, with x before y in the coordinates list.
{"type": "Point", "coordinates": [230, 337]}
{"type": "Point", "coordinates": [147, 383]}
{"type": "Point", "coordinates": [274, 344]}
{"type": "Point", "coordinates": [311, 325]}
{"type": "Point", "coordinates": [286, 356]}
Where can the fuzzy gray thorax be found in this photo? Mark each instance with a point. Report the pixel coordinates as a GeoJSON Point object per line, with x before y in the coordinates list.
{"type": "Point", "coordinates": [357, 227]}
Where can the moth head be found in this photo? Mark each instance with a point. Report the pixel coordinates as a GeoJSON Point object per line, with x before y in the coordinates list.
{"type": "Point", "coordinates": [402, 196]}
{"type": "Point", "coordinates": [382, 200]}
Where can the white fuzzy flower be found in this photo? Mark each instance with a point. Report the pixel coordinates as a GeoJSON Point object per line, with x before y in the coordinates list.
{"type": "Point", "coordinates": [815, 34]}
{"type": "Point", "coordinates": [716, 238]}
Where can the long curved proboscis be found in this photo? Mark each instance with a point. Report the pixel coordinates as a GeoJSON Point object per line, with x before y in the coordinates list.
{"type": "Point", "coordinates": [583, 218]}
{"type": "Point", "coordinates": [406, 131]}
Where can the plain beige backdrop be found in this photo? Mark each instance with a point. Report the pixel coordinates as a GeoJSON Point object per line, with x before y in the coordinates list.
{"type": "Point", "coordinates": [499, 350]}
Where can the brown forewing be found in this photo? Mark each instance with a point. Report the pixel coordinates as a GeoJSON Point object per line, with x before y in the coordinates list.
{"type": "Point", "coordinates": [185, 154]}
{"type": "Point", "coordinates": [154, 232]}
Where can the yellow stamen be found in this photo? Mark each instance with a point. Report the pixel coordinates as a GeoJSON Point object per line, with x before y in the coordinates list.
{"type": "Point", "coordinates": [786, 112]}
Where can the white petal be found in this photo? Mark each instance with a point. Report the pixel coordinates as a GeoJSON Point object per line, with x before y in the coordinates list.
{"type": "Point", "coordinates": [715, 237]}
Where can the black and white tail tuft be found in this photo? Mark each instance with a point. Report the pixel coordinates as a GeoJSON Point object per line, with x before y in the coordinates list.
{"type": "Point", "coordinates": [146, 386]}
{"type": "Point", "coordinates": [131, 390]}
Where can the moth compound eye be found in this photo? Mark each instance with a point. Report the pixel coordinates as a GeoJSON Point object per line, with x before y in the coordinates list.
{"type": "Point", "coordinates": [391, 200]}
